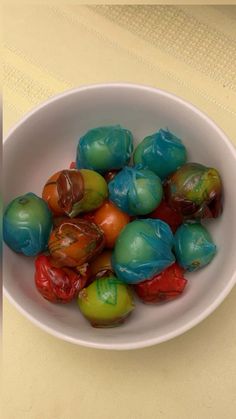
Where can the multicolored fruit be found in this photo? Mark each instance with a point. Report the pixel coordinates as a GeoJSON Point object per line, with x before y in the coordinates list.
{"type": "Point", "coordinates": [107, 302]}
{"type": "Point", "coordinates": [195, 191]}
{"type": "Point", "coordinates": [72, 191]}
{"type": "Point", "coordinates": [75, 242]}
{"type": "Point", "coordinates": [101, 202]}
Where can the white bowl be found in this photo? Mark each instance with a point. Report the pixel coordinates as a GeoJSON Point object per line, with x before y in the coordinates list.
{"type": "Point", "coordinates": [45, 141]}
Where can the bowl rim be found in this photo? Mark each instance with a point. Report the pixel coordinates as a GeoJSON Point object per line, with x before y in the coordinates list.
{"type": "Point", "coordinates": [165, 336]}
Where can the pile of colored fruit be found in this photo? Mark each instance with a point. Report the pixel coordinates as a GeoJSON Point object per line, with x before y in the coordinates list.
{"type": "Point", "coordinates": [103, 230]}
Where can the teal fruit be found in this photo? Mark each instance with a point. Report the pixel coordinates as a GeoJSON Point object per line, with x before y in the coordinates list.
{"type": "Point", "coordinates": [193, 246]}
{"type": "Point", "coordinates": [104, 148]}
{"type": "Point", "coordinates": [27, 223]}
{"type": "Point", "coordinates": [161, 152]}
{"type": "Point", "coordinates": [136, 191]}
{"type": "Point", "coordinates": [142, 250]}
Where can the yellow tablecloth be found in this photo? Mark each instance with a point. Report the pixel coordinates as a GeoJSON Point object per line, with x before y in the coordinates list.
{"type": "Point", "coordinates": [190, 51]}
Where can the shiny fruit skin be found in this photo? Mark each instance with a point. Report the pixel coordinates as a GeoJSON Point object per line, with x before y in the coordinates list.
{"type": "Point", "coordinates": [58, 285]}
{"type": "Point", "coordinates": [143, 249]}
{"type": "Point", "coordinates": [75, 242]}
{"type": "Point", "coordinates": [111, 220]}
{"type": "Point", "coordinates": [195, 191]}
{"type": "Point", "coordinates": [104, 148]}
{"type": "Point", "coordinates": [135, 191]}
{"type": "Point", "coordinates": [106, 302]}
{"type": "Point", "coordinates": [161, 152]}
{"type": "Point", "coordinates": [165, 286]}
{"type": "Point", "coordinates": [27, 223]}
{"type": "Point", "coordinates": [101, 266]}
{"type": "Point", "coordinates": [63, 190]}
{"type": "Point", "coordinates": [71, 191]}
{"type": "Point", "coordinates": [193, 246]}
{"type": "Point", "coordinates": [95, 192]}
{"type": "Point", "coordinates": [165, 213]}
{"type": "Point", "coordinates": [50, 194]}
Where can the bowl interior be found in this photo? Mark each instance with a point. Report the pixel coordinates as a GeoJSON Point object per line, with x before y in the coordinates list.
{"type": "Point", "coordinates": [45, 142]}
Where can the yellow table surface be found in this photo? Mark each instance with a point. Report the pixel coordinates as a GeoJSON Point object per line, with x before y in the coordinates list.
{"type": "Point", "coordinates": [190, 51]}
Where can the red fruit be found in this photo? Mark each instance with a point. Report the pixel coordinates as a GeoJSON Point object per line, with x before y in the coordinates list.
{"type": "Point", "coordinates": [165, 286]}
{"type": "Point", "coordinates": [58, 285]}
{"type": "Point", "coordinates": [73, 165]}
{"type": "Point", "coordinates": [165, 213]}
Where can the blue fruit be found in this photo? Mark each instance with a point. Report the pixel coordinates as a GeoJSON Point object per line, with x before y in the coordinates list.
{"type": "Point", "coordinates": [193, 246]}
{"type": "Point", "coordinates": [161, 152]}
{"type": "Point", "coordinates": [104, 148]}
{"type": "Point", "coordinates": [136, 191]}
{"type": "Point", "coordinates": [142, 250]}
{"type": "Point", "coordinates": [27, 223]}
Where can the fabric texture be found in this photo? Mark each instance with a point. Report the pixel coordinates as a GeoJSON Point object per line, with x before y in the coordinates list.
{"type": "Point", "coordinates": [188, 50]}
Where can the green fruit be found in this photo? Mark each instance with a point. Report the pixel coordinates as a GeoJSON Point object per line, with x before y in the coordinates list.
{"type": "Point", "coordinates": [95, 192]}
{"type": "Point", "coordinates": [106, 302]}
